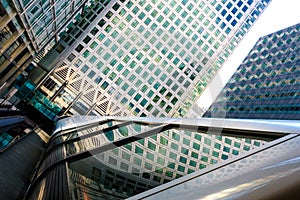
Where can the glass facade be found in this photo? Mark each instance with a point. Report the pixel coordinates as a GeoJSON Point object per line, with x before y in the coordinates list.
{"type": "Point", "coordinates": [28, 29]}
{"type": "Point", "coordinates": [266, 84]}
{"type": "Point", "coordinates": [43, 19]}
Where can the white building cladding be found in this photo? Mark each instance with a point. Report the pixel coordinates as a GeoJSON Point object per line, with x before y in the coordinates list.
{"type": "Point", "coordinates": [145, 58]}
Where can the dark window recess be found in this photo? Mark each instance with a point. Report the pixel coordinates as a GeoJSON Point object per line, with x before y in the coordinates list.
{"type": "Point", "coordinates": [6, 70]}
{"type": "Point", "coordinates": [102, 22]}
{"type": "Point", "coordinates": [2, 11]}
{"type": "Point", "coordinates": [85, 26]}
{"type": "Point", "coordinates": [94, 31]}
{"type": "Point", "coordinates": [50, 84]}
{"type": "Point", "coordinates": [116, 6]}
{"type": "Point", "coordinates": [86, 39]}
{"type": "Point", "coordinates": [59, 48]}
{"type": "Point", "coordinates": [109, 14]}
{"type": "Point", "coordinates": [20, 56]}
{"type": "Point", "coordinates": [71, 57]}
{"type": "Point", "coordinates": [79, 48]}
{"type": "Point", "coordinates": [12, 27]}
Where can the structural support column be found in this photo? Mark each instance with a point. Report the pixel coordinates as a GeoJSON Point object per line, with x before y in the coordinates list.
{"type": "Point", "coordinates": [72, 103]}
{"type": "Point", "coordinates": [91, 109]}
{"type": "Point", "coordinates": [59, 90]}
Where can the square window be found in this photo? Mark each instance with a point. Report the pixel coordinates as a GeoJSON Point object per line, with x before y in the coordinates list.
{"type": "Point", "coordinates": [86, 54]}
{"type": "Point", "coordinates": [182, 159]}
{"type": "Point", "coordinates": [84, 68]}
{"type": "Point", "coordinates": [93, 59]}
{"type": "Point", "coordinates": [79, 48]}
{"type": "Point", "coordinates": [186, 141]}
{"type": "Point", "coordinates": [195, 155]}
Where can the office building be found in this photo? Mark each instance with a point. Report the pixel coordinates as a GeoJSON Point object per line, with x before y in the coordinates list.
{"type": "Point", "coordinates": [142, 58]}
{"type": "Point", "coordinates": [28, 29]}
{"type": "Point", "coordinates": [145, 58]}
{"type": "Point", "coordinates": [266, 84]}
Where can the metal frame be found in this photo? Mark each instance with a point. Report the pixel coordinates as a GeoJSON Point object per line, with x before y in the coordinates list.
{"type": "Point", "coordinates": [256, 129]}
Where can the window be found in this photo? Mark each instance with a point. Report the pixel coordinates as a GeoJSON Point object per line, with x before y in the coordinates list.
{"type": "Point", "coordinates": [79, 48]}
{"type": "Point", "coordinates": [34, 9]}
{"type": "Point", "coordinates": [91, 74]}
{"type": "Point", "coordinates": [87, 39]}
{"type": "Point", "coordinates": [93, 59]}
{"type": "Point", "coordinates": [84, 68]}
{"type": "Point", "coordinates": [93, 45]}
{"type": "Point", "coordinates": [139, 150]}
{"type": "Point", "coordinates": [151, 146]}
{"type": "Point", "coordinates": [106, 56]}
{"type": "Point", "coordinates": [182, 159]}
{"type": "Point", "coordinates": [195, 155]}
{"type": "Point", "coordinates": [174, 146]}
{"type": "Point", "coordinates": [86, 54]}
{"type": "Point", "coordinates": [99, 65]}
{"type": "Point", "coordinates": [186, 141]}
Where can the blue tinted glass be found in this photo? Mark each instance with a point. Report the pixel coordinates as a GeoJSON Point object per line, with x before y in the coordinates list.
{"type": "Point", "coordinates": [228, 18]}
{"type": "Point", "coordinates": [239, 16]}
{"type": "Point", "coordinates": [223, 13]}
{"type": "Point", "coordinates": [218, 7]}
{"type": "Point", "coordinates": [222, 25]}
{"type": "Point", "coordinates": [228, 30]}
{"type": "Point", "coordinates": [245, 8]}
{"type": "Point", "coordinates": [233, 23]}
{"type": "Point", "coordinates": [240, 3]}
{"type": "Point", "coordinates": [229, 5]}
{"type": "Point", "coordinates": [234, 10]}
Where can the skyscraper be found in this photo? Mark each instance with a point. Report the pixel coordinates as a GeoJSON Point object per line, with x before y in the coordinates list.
{"type": "Point", "coordinates": [147, 58]}
{"type": "Point", "coordinates": [28, 29]}
{"type": "Point", "coordinates": [143, 58]}
{"type": "Point", "coordinates": [266, 84]}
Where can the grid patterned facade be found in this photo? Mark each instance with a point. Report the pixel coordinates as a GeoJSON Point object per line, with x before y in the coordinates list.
{"type": "Point", "coordinates": [266, 85]}
{"type": "Point", "coordinates": [145, 58]}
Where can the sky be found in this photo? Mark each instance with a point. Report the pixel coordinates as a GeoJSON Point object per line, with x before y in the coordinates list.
{"type": "Point", "coordinates": [278, 15]}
